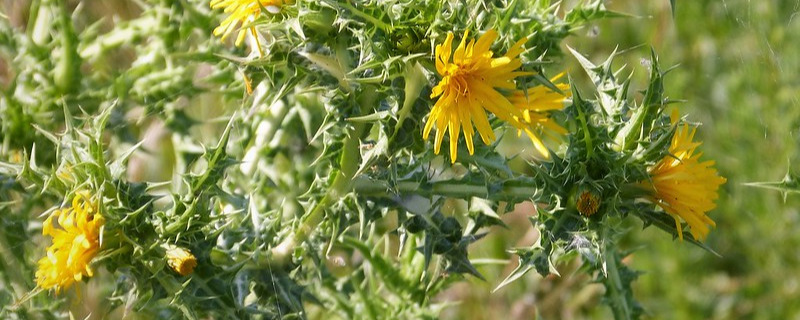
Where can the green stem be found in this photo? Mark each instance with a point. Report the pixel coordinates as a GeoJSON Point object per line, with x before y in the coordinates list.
{"type": "Point", "coordinates": [449, 188]}
{"type": "Point", "coordinates": [613, 282]}
{"type": "Point", "coordinates": [67, 73]}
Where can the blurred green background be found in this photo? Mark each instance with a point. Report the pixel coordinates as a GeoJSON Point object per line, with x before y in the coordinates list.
{"type": "Point", "coordinates": [737, 70]}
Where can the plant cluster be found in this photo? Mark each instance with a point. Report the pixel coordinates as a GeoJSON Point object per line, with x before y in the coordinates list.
{"type": "Point", "coordinates": [298, 164]}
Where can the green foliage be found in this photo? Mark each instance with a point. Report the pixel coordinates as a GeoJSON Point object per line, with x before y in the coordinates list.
{"type": "Point", "coordinates": [299, 179]}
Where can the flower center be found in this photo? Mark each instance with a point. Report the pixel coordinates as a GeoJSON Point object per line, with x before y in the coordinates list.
{"type": "Point", "coordinates": [459, 76]}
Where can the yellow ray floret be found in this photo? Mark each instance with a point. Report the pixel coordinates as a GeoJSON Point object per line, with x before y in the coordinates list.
{"type": "Point", "coordinates": [536, 104]}
{"type": "Point", "coordinates": [243, 12]}
{"type": "Point", "coordinates": [469, 88]}
{"type": "Point", "coordinates": [685, 187]}
{"type": "Point", "coordinates": [76, 240]}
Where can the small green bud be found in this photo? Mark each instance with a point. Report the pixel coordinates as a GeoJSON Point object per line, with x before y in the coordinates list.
{"type": "Point", "coordinates": [416, 224]}
{"type": "Point", "coordinates": [437, 218]}
{"type": "Point", "coordinates": [442, 245]}
{"type": "Point", "coordinates": [409, 40]}
{"type": "Point", "coordinates": [451, 229]}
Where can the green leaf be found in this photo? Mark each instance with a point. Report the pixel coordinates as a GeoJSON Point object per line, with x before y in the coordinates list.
{"type": "Point", "coordinates": [664, 222]}
{"type": "Point", "coordinates": [519, 271]}
{"type": "Point", "coordinates": [789, 184]}
{"type": "Point", "coordinates": [672, 6]}
{"type": "Point", "coordinates": [370, 117]}
{"type": "Point", "coordinates": [612, 94]}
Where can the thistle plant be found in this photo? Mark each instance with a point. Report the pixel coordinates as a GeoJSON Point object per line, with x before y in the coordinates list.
{"type": "Point", "coordinates": [289, 172]}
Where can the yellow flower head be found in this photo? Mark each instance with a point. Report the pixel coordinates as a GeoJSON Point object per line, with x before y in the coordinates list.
{"type": "Point", "coordinates": [469, 87]}
{"type": "Point", "coordinates": [685, 187]}
{"type": "Point", "coordinates": [244, 12]}
{"type": "Point", "coordinates": [181, 260]}
{"type": "Point", "coordinates": [536, 104]}
{"type": "Point", "coordinates": [76, 240]}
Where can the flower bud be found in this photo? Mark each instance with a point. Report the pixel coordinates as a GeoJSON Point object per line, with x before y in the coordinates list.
{"type": "Point", "coordinates": [181, 260]}
{"type": "Point", "coordinates": [588, 203]}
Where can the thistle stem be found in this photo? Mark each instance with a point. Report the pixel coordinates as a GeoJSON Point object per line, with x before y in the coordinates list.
{"type": "Point", "coordinates": [379, 188]}
{"type": "Point", "coordinates": [613, 282]}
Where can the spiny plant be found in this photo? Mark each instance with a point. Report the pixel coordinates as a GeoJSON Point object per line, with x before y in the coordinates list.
{"type": "Point", "coordinates": [242, 158]}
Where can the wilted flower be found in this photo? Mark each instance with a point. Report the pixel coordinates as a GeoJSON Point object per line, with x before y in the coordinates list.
{"type": "Point", "coordinates": [76, 240]}
{"type": "Point", "coordinates": [588, 203]}
{"type": "Point", "coordinates": [683, 186]}
{"type": "Point", "coordinates": [469, 87]}
{"type": "Point", "coordinates": [181, 260]}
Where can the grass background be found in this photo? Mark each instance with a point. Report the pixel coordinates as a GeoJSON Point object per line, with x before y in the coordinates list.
{"type": "Point", "coordinates": [737, 64]}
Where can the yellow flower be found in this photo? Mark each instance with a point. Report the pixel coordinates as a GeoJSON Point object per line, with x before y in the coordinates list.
{"type": "Point", "coordinates": [536, 104]}
{"type": "Point", "coordinates": [244, 12]}
{"type": "Point", "coordinates": [469, 87]}
{"type": "Point", "coordinates": [683, 186]}
{"type": "Point", "coordinates": [181, 260]}
{"type": "Point", "coordinates": [76, 240]}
